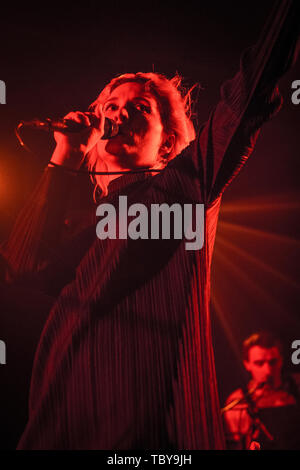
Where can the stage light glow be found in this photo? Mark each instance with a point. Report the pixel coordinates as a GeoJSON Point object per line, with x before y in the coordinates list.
{"type": "Point", "coordinates": [243, 254]}
{"type": "Point", "coordinates": [227, 327]}
{"type": "Point", "coordinates": [252, 232]}
{"type": "Point", "coordinates": [253, 263]}
{"type": "Point", "coordinates": [273, 203]}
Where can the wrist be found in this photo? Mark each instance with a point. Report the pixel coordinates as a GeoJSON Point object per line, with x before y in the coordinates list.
{"type": "Point", "coordinates": [68, 157]}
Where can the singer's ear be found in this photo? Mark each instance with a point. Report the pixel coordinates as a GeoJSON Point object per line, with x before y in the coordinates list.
{"type": "Point", "coordinates": [167, 145]}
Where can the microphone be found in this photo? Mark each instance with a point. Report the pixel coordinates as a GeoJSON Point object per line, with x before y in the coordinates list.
{"type": "Point", "coordinates": [250, 392]}
{"type": "Point", "coordinates": [111, 128]}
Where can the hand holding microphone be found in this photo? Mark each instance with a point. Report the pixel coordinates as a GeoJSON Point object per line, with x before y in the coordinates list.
{"type": "Point", "coordinates": [78, 133]}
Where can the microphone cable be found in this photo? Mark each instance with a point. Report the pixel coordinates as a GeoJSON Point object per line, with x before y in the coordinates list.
{"type": "Point", "coordinates": [142, 170]}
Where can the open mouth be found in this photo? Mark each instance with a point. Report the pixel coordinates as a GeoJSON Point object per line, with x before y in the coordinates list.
{"type": "Point", "coordinates": [125, 134]}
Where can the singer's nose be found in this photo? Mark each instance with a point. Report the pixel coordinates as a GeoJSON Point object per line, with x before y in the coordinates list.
{"type": "Point", "coordinates": [121, 115]}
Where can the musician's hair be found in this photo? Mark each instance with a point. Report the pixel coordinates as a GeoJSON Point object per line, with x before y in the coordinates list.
{"type": "Point", "coordinates": [264, 339]}
{"type": "Point", "coordinates": [174, 104]}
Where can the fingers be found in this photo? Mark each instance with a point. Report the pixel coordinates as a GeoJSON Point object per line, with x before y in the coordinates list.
{"type": "Point", "coordinates": [97, 120]}
{"type": "Point", "coordinates": [88, 119]}
{"type": "Point", "coordinates": [80, 141]}
{"type": "Point", "coordinates": [78, 116]}
{"type": "Point", "coordinates": [93, 119]}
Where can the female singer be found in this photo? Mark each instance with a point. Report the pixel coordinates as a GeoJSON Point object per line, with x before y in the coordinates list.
{"type": "Point", "coordinates": [125, 359]}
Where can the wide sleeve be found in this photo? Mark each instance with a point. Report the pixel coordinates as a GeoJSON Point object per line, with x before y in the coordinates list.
{"type": "Point", "coordinates": [38, 230]}
{"type": "Point", "coordinates": [249, 99]}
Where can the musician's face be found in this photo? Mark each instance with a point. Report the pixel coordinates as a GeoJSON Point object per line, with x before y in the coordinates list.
{"type": "Point", "coordinates": [141, 140]}
{"type": "Point", "coordinates": [264, 365]}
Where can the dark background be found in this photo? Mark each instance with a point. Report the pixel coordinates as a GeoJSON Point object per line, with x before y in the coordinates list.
{"type": "Point", "coordinates": [56, 57]}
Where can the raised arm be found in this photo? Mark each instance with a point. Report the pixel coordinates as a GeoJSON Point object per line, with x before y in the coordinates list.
{"type": "Point", "coordinates": [247, 101]}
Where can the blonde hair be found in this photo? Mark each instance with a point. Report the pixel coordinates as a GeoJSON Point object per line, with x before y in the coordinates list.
{"type": "Point", "coordinates": [174, 104]}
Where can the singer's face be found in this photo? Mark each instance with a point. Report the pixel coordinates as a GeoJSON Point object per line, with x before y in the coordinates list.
{"type": "Point", "coordinates": [139, 143]}
{"type": "Point", "coordinates": [264, 365]}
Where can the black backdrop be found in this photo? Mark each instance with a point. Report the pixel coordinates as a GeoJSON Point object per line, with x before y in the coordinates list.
{"type": "Point", "coordinates": [56, 57]}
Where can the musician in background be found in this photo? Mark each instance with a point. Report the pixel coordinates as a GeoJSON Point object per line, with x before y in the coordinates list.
{"type": "Point", "coordinates": [266, 414]}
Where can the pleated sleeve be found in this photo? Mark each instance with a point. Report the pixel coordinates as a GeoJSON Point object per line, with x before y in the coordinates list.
{"type": "Point", "coordinates": [38, 230]}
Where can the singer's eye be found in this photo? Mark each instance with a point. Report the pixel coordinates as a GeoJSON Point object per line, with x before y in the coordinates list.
{"type": "Point", "coordinates": [142, 107]}
{"type": "Point", "coordinates": [110, 107]}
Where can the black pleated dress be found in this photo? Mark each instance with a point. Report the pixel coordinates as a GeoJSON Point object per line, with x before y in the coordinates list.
{"type": "Point", "coordinates": [125, 360]}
